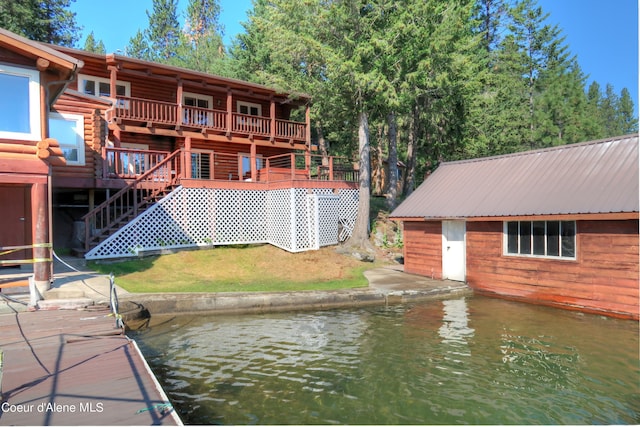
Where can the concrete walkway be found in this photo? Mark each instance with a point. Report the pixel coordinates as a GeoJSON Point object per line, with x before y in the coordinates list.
{"type": "Point", "coordinates": [75, 286]}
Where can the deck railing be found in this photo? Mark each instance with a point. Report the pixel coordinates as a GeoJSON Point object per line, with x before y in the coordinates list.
{"type": "Point", "coordinates": [150, 175]}
{"type": "Point", "coordinates": [154, 113]}
{"type": "Point", "coordinates": [312, 167]}
{"type": "Point", "coordinates": [204, 118]}
{"type": "Point", "coordinates": [132, 199]}
{"type": "Point", "coordinates": [129, 163]}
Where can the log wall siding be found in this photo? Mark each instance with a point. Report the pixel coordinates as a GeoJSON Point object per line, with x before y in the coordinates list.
{"type": "Point", "coordinates": [423, 248]}
{"type": "Point", "coordinates": [94, 126]}
{"type": "Point", "coordinates": [603, 278]}
{"type": "Point", "coordinates": [160, 90]}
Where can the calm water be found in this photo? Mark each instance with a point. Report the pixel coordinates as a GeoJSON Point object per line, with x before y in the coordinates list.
{"type": "Point", "coordinates": [464, 361]}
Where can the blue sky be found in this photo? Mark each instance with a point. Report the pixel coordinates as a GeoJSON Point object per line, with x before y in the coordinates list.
{"type": "Point", "coordinates": [603, 34]}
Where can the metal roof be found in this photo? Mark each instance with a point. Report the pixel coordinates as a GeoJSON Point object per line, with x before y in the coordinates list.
{"type": "Point", "coordinates": [587, 178]}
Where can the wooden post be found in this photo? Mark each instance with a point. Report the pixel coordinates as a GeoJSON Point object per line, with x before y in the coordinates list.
{"type": "Point", "coordinates": [272, 115]}
{"type": "Point", "coordinates": [180, 107]}
{"type": "Point", "coordinates": [307, 121]}
{"type": "Point", "coordinates": [113, 78]}
{"type": "Point", "coordinates": [40, 232]}
{"type": "Point", "coordinates": [253, 157]}
{"type": "Point", "coordinates": [229, 113]}
{"type": "Point", "coordinates": [187, 157]}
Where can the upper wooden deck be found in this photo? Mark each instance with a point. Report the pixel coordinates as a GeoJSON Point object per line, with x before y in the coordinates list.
{"type": "Point", "coordinates": [174, 119]}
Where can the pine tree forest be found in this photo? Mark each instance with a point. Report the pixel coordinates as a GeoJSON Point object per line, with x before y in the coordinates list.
{"type": "Point", "coordinates": [412, 82]}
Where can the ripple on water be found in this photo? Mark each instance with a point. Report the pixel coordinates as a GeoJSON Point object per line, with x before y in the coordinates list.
{"type": "Point", "coordinates": [462, 361]}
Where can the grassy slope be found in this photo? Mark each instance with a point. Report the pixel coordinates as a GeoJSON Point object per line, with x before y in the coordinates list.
{"type": "Point", "coordinates": [234, 269]}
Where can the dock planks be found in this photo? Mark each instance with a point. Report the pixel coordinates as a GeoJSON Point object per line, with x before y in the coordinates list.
{"type": "Point", "coordinates": [64, 367]}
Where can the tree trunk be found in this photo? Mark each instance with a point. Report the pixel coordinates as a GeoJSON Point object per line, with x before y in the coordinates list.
{"type": "Point", "coordinates": [377, 173]}
{"type": "Point", "coordinates": [322, 144]}
{"type": "Point", "coordinates": [392, 193]}
{"type": "Point", "coordinates": [360, 235]}
{"type": "Point", "coordinates": [410, 174]}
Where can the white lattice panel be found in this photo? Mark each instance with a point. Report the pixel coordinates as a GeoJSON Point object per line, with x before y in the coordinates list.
{"type": "Point", "coordinates": [348, 212]}
{"type": "Point", "coordinates": [328, 219]}
{"type": "Point", "coordinates": [196, 217]}
{"type": "Point", "coordinates": [279, 218]}
{"type": "Point", "coordinates": [301, 237]}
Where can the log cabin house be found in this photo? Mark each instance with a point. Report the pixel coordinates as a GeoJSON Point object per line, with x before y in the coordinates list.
{"type": "Point", "coordinates": [557, 226]}
{"type": "Point", "coordinates": [160, 157]}
{"type": "Point", "coordinates": [145, 157]}
{"type": "Point", "coordinates": [32, 77]}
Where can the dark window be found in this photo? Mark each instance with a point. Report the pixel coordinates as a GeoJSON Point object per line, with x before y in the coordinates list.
{"type": "Point", "coordinates": [553, 238]}
{"type": "Point", "coordinates": [541, 238]}
{"type": "Point", "coordinates": [538, 237]}
{"type": "Point", "coordinates": [525, 237]}
{"type": "Point", "coordinates": [512, 237]}
{"type": "Point", "coordinates": [568, 230]}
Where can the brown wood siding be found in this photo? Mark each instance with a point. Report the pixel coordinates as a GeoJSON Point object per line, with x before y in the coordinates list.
{"type": "Point", "coordinates": [149, 88]}
{"type": "Point", "coordinates": [10, 57]}
{"type": "Point", "coordinates": [603, 278]}
{"type": "Point", "coordinates": [94, 125]}
{"type": "Point", "coordinates": [423, 248]}
{"type": "Point", "coordinates": [155, 142]}
{"type": "Point", "coordinates": [90, 68]}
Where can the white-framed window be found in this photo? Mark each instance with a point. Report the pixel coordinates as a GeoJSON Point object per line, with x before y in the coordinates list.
{"type": "Point", "coordinates": [195, 116]}
{"type": "Point", "coordinates": [99, 86]}
{"type": "Point", "coordinates": [249, 108]}
{"type": "Point", "coordinates": [19, 103]}
{"type": "Point", "coordinates": [197, 100]}
{"type": "Point", "coordinates": [68, 129]}
{"type": "Point", "coordinates": [546, 239]}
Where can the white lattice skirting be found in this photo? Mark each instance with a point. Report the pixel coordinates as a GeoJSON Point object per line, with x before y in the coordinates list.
{"type": "Point", "coordinates": [293, 219]}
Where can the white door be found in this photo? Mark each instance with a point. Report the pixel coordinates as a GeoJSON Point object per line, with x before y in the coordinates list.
{"type": "Point", "coordinates": [453, 250]}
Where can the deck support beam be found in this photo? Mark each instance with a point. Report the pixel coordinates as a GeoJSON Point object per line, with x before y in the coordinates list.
{"type": "Point", "coordinates": [187, 158]}
{"type": "Point", "coordinates": [40, 232]}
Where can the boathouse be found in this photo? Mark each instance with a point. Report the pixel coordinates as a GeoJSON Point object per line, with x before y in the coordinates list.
{"type": "Point", "coordinates": [161, 158]}
{"type": "Point", "coordinates": [557, 226]}
{"type": "Point", "coordinates": [32, 77]}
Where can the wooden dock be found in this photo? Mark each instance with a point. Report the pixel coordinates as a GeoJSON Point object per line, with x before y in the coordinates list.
{"type": "Point", "coordinates": [70, 367]}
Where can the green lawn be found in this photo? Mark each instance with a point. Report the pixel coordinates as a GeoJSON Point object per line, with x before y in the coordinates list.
{"type": "Point", "coordinates": [239, 269]}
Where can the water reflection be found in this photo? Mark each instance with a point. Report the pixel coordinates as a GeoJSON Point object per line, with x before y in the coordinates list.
{"type": "Point", "coordinates": [468, 360]}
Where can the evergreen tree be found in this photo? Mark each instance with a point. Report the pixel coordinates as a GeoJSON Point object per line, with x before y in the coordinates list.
{"type": "Point", "coordinates": [160, 41]}
{"type": "Point", "coordinates": [200, 44]}
{"type": "Point", "coordinates": [90, 45]}
{"type": "Point", "coordinates": [164, 29]}
{"type": "Point", "coordinates": [628, 120]}
{"type": "Point", "coordinates": [609, 112]}
{"type": "Point", "coordinates": [48, 21]}
{"type": "Point", "coordinates": [594, 106]}
{"type": "Point", "coordinates": [139, 47]}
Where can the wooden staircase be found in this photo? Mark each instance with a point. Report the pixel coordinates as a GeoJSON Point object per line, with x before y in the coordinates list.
{"type": "Point", "coordinates": [132, 200]}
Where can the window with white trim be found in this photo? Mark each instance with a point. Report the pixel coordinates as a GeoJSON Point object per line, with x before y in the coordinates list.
{"type": "Point", "coordinates": [68, 130]}
{"type": "Point", "coordinates": [196, 116]}
{"type": "Point", "coordinates": [19, 103]}
{"type": "Point", "coordinates": [547, 239]}
{"type": "Point", "coordinates": [249, 108]}
{"type": "Point", "coordinates": [100, 86]}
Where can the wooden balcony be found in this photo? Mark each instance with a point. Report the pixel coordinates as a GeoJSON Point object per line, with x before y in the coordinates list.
{"type": "Point", "coordinates": [157, 114]}
{"type": "Point", "coordinates": [125, 165]}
